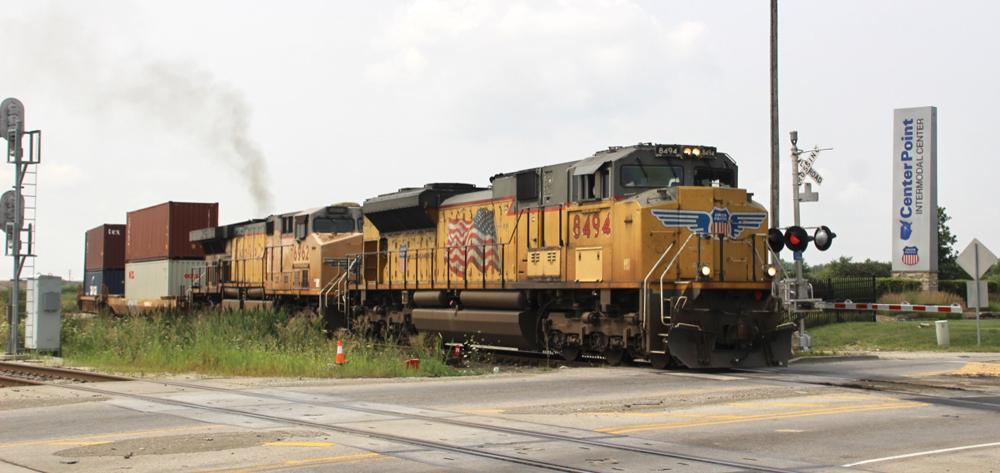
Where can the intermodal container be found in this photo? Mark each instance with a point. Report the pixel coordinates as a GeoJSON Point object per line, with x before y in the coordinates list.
{"type": "Point", "coordinates": [105, 247]}
{"type": "Point", "coordinates": [161, 278]}
{"type": "Point", "coordinates": [163, 231]}
{"type": "Point", "coordinates": [107, 282]}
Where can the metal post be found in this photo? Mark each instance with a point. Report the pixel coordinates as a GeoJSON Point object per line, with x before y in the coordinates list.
{"type": "Point", "coordinates": [12, 127]}
{"type": "Point", "coordinates": [15, 235]}
{"type": "Point", "coordinates": [979, 341]}
{"type": "Point", "coordinates": [775, 144]}
{"type": "Point", "coordinates": [804, 340]}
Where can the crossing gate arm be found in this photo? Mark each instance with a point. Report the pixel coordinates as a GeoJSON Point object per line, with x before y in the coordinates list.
{"type": "Point", "coordinates": [903, 307]}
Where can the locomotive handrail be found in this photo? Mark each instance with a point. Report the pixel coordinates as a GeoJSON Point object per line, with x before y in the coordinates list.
{"type": "Point", "coordinates": [667, 268]}
{"type": "Point", "coordinates": [645, 284]}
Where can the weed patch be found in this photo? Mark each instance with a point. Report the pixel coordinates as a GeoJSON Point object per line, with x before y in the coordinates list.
{"type": "Point", "coordinates": [241, 343]}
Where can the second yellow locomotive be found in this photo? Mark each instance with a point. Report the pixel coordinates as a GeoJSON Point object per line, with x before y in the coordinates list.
{"type": "Point", "coordinates": [646, 251]}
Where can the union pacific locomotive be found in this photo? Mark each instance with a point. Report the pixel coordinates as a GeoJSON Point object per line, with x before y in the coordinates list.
{"type": "Point", "coordinates": [646, 251]}
{"type": "Point", "coordinates": [278, 261]}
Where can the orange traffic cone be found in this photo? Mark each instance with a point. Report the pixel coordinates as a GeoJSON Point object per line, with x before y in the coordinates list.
{"type": "Point", "coordinates": [340, 353]}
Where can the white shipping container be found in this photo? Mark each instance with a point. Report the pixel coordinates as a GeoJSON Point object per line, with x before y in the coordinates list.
{"type": "Point", "coordinates": [161, 278]}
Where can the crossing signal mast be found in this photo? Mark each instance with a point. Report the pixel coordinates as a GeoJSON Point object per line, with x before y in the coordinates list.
{"type": "Point", "coordinates": [12, 204]}
{"type": "Point", "coordinates": [797, 293]}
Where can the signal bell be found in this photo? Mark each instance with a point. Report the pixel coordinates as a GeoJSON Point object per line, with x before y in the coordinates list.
{"type": "Point", "coordinates": [823, 238]}
{"type": "Point", "coordinates": [796, 238]}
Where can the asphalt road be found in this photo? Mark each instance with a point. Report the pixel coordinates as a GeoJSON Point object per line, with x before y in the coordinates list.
{"type": "Point", "coordinates": [913, 413]}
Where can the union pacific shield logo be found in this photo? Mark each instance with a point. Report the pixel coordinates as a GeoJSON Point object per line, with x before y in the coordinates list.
{"type": "Point", "coordinates": [719, 222]}
{"type": "Point", "coordinates": [910, 256]}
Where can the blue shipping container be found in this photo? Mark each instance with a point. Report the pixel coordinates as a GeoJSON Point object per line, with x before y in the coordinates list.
{"type": "Point", "coordinates": [95, 281]}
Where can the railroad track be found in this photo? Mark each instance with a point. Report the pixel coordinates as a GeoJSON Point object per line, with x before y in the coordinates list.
{"type": "Point", "coordinates": [22, 374]}
{"type": "Point", "coordinates": [584, 439]}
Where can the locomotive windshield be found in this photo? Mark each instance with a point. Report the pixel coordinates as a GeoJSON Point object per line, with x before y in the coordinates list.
{"type": "Point", "coordinates": [647, 175]}
{"type": "Point", "coordinates": [710, 177]}
{"type": "Point", "coordinates": [333, 225]}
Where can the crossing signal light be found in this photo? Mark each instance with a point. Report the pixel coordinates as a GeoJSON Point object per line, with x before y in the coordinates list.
{"type": "Point", "coordinates": [775, 240]}
{"type": "Point", "coordinates": [823, 238]}
{"type": "Point", "coordinates": [796, 238]}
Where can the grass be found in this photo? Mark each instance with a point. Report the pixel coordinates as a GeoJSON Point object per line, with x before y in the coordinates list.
{"type": "Point", "coordinates": [234, 343]}
{"type": "Point", "coordinates": [903, 336]}
{"type": "Point", "coordinates": [239, 343]}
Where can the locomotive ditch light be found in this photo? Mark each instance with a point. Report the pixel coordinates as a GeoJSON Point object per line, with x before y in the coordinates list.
{"type": "Point", "coordinates": [770, 270]}
{"type": "Point", "coordinates": [775, 240]}
{"type": "Point", "coordinates": [823, 238]}
{"type": "Point", "coordinates": [796, 238]}
{"type": "Point", "coordinates": [704, 271]}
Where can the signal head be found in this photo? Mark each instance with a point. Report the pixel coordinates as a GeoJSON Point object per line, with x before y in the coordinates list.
{"type": "Point", "coordinates": [775, 240]}
{"type": "Point", "coordinates": [823, 238]}
{"type": "Point", "coordinates": [796, 238]}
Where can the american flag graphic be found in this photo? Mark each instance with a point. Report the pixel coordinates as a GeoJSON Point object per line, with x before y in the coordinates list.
{"type": "Point", "coordinates": [720, 222]}
{"type": "Point", "coordinates": [473, 242]}
{"type": "Point", "coordinates": [910, 256]}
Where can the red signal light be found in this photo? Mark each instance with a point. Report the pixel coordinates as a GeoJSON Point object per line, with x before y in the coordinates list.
{"type": "Point", "coordinates": [796, 238]}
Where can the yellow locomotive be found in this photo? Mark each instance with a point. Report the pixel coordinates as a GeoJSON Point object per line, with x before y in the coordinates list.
{"type": "Point", "coordinates": [294, 259]}
{"type": "Point", "coordinates": [646, 251]}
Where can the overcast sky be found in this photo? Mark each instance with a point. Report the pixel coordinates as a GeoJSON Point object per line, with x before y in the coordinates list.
{"type": "Point", "coordinates": [267, 107]}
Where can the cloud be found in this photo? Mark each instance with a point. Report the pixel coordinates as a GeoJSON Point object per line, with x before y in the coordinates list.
{"type": "Point", "coordinates": [513, 67]}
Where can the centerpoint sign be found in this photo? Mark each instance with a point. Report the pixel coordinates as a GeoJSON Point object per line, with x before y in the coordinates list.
{"type": "Point", "coordinates": [914, 194]}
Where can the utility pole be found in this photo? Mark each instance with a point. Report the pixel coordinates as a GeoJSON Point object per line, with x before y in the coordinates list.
{"type": "Point", "coordinates": [775, 144]}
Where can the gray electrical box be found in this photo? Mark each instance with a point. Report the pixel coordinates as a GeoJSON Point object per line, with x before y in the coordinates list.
{"type": "Point", "coordinates": [44, 313]}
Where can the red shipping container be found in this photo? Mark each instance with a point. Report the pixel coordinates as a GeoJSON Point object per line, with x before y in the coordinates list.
{"type": "Point", "coordinates": [163, 231]}
{"type": "Point", "coordinates": [105, 248]}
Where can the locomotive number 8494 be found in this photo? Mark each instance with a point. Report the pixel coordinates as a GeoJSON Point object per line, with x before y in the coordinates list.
{"type": "Point", "coordinates": [648, 251]}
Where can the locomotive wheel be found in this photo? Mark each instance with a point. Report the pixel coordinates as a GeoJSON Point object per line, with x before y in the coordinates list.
{"type": "Point", "coordinates": [571, 353]}
{"type": "Point", "coordinates": [616, 356]}
{"type": "Point", "coordinates": [660, 361]}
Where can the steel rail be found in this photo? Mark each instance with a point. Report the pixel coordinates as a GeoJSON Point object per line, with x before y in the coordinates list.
{"type": "Point", "coordinates": [10, 382]}
{"type": "Point", "coordinates": [63, 373]}
{"type": "Point", "coordinates": [427, 418]}
{"type": "Point", "coordinates": [594, 442]}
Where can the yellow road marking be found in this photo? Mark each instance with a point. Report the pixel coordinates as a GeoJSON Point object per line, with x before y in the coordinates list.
{"type": "Point", "coordinates": [299, 444]}
{"type": "Point", "coordinates": [315, 461]}
{"type": "Point", "coordinates": [779, 404]}
{"type": "Point", "coordinates": [481, 411]}
{"type": "Point", "coordinates": [692, 391]}
{"type": "Point", "coordinates": [659, 414]}
{"type": "Point", "coordinates": [783, 415]}
{"type": "Point", "coordinates": [80, 444]}
{"type": "Point", "coordinates": [789, 431]}
{"type": "Point", "coordinates": [863, 398]}
{"type": "Point", "coordinates": [126, 434]}
{"type": "Point", "coordinates": [928, 373]}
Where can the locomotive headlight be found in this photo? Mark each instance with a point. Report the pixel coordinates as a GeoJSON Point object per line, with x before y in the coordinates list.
{"type": "Point", "coordinates": [696, 151]}
{"type": "Point", "coordinates": [705, 270]}
{"type": "Point", "coordinates": [687, 151]}
{"type": "Point", "coordinates": [770, 270]}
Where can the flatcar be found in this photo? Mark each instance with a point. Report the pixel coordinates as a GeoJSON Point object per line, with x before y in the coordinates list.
{"type": "Point", "coordinates": [649, 251]}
